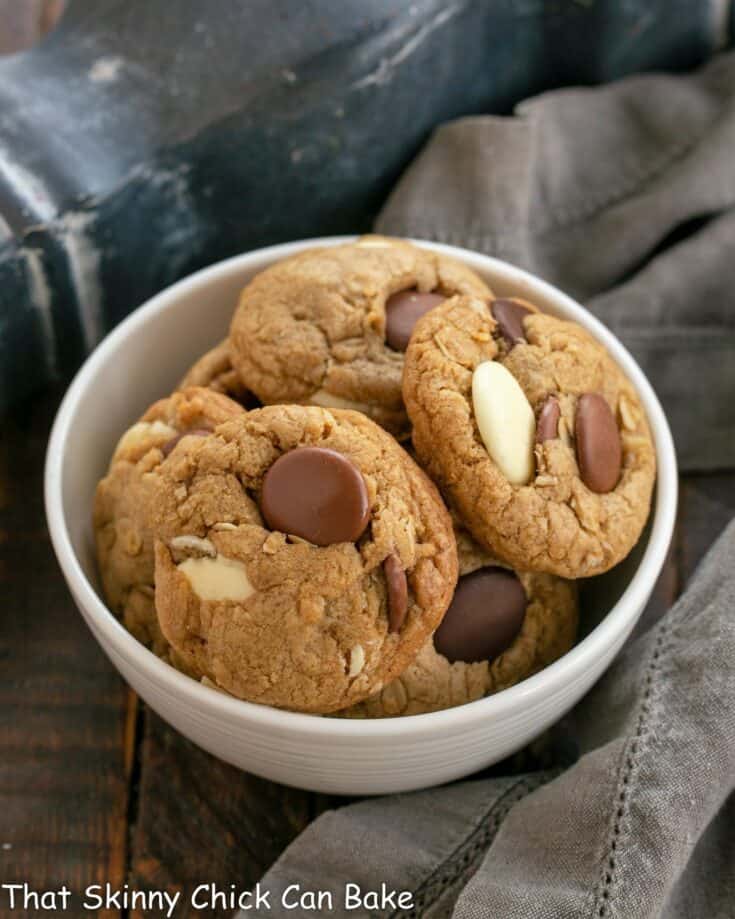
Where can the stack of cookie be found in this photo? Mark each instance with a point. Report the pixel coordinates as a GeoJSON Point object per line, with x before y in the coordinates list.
{"type": "Point", "coordinates": [373, 498]}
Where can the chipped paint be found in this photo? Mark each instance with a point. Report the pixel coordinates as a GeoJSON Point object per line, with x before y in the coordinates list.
{"type": "Point", "coordinates": [384, 71]}
{"type": "Point", "coordinates": [74, 232]}
{"type": "Point", "coordinates": [40, 298]}
{"type": "Point", "coordinates": [105, 69]}
{"type": "Point", "coordinates": [34, 196]}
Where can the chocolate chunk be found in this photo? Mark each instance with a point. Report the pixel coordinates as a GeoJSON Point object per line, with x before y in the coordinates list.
{"type": "Point", "coordinates": [599, 452]}
{"type": "Point", "coordinates": [195, 432]}
{"type": "Point", "coordinates": [547, 426]}
{"type": "Point", "coordinates": [402, 311]}
{"type": "Point", "coordinates": [484, 617]}
{"type": "Point", "coordinates": [395, 578]}
{"type": "Point", "coordinates": [509, 316]}
{"type": "Point", "coordinates": [317, 494]}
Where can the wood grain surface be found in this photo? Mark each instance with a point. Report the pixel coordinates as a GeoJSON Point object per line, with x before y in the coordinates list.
{"type": "Point", "coordinates": [64, 777]}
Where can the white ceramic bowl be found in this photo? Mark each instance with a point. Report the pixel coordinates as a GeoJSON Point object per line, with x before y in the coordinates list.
{"type": "Point", "coordinates": [140, 362]}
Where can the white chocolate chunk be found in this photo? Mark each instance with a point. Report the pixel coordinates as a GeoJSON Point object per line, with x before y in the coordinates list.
{"type": "Point", "coordinates": [327, 400]}
{"type": "Point", "coordinates": [372, 243]}
{"type": "Point", "coordinates": [357, 661]}
{"type": "Point", "coordinates": [139, 433]}
{"type": "Point", "coordinates": [219, 578]}
{"type": "Point", "coordinates": [506, 421]}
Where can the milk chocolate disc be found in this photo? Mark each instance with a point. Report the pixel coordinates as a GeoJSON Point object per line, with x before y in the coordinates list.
{"type": "Point", "coordinates": [317, 494]}
{"type": "Point", "coordinates": [402, 311]}
{"type": "Point", "coordinates": [509, 316]}
{"type": "Point", "coordinates": [484, 617]}
{"type": "Point", "coordinates": [547, 426]}
{"type": "Point", "coordinates": [395, 578]}
{"type": "Point", "coordinates": [599, 451]}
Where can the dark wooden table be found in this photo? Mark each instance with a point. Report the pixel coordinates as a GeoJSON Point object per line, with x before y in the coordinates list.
{"type": "Point", "coordinates": [93, 786]}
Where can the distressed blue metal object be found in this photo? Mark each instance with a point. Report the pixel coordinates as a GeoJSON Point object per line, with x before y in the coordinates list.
{"type": "Point", "coordinates": [144, 138]}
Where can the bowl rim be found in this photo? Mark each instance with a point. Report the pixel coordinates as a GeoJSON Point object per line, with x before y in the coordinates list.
{"type": "Point", "coordinates": [615, 625]}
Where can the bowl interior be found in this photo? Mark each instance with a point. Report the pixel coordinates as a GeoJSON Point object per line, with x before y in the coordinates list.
{"type": "Point", "coordinates": [148, 354]}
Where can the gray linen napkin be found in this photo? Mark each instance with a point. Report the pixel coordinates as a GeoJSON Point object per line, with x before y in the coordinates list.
{"type": "Point", "coordinates": [625, 197]}
{"type": "Point", "coordinates": [641, 825]}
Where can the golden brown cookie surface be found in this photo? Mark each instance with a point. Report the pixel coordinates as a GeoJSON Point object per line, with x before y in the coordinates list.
{"type": "Point", "coordinates": [432, 682]}
{"type": "Point", "coordinates": [214, 371]}
{"type": "Point", "coordinates": [536, 436]}
{"type": "Point", "coordinates": [122, 506]}
{"type": "Point", "coordinates": [317, 327]}
{"type": "Point", "coordinates": [270, 615]}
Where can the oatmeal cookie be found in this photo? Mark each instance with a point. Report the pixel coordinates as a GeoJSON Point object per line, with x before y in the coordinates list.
{"type": "Point", "coordinates": [214, 370]}
{"type": "Point", "coordinates": [122, 504]}
{"type": "Point", "coordinates": [533, 432]}
{"type": "Point", "coordinates": [515, 624]}
{"type": "Point", "coordinates": [330, 326]}
{"type": "Point", "coordinates": [303, 558]}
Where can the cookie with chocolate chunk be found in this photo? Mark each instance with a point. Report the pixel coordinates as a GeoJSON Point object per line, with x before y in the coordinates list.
{"type": "Point", "coordinates": [533, 432]}
{"type": "Point", "coordinates": [123, 503]}
{"type": "Point", "coordinates": [303, 557]}
{"type": "Point", "coordinates": [330, 326]}
{"type": "Point", "coordinates": [500, 628]}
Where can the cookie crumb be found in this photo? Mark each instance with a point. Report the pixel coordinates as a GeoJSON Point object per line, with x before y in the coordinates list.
{"type": "Point", "coordinates": [311, 609]}
{"type": "Point", "coordinates": [273, 543]}
{"type": "Point", "coordinates": [187, 546]}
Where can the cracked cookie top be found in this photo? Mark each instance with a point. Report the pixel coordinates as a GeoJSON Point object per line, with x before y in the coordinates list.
{"type": "Point", "coordinates": [533, 432]}
{"type": "Point", "coordinates": [525, 641]}
{"type": "Point", "coordinates": [330, 326]}
{"type": "Point", "coordinates": [303, 557]}
{"type": "Point", "coordinates": [123, 503]}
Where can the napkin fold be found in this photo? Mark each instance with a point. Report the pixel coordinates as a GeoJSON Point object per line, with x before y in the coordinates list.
{"type": "Point", "coordinates": [639, 827]}
{"type": "Point", "coordinates": [624, 196]}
